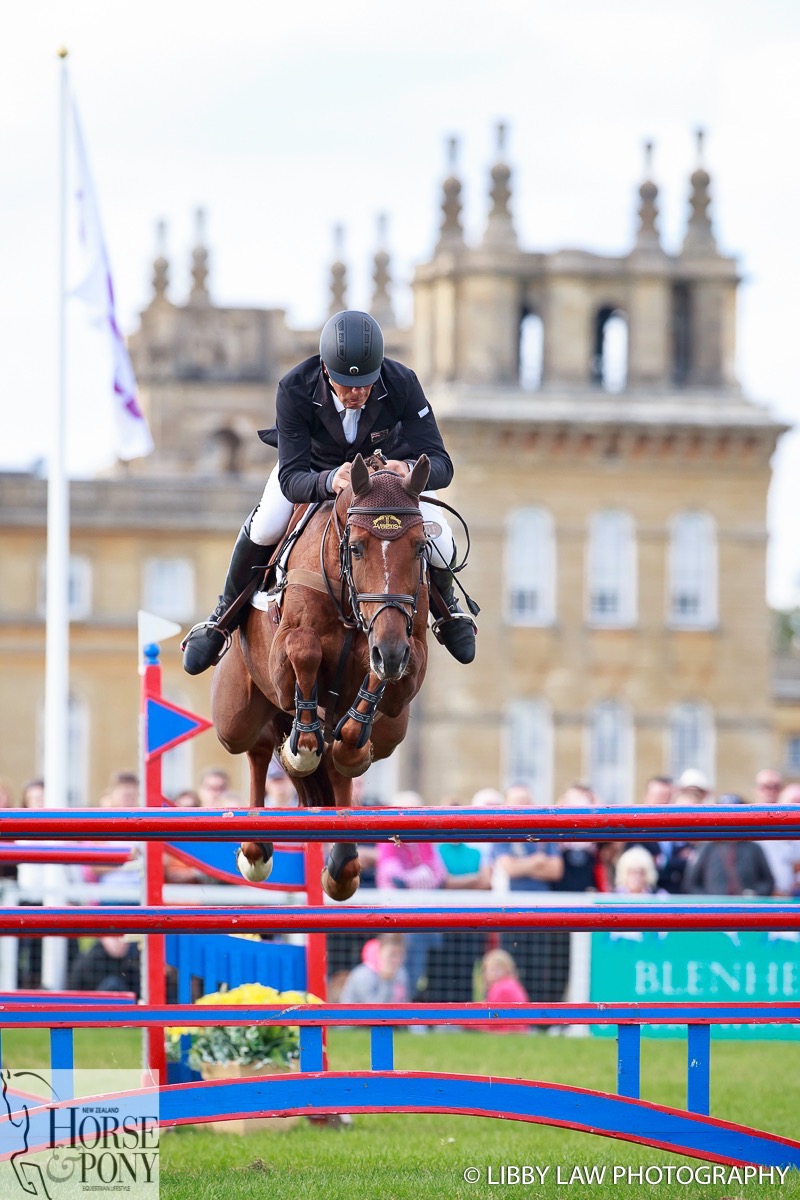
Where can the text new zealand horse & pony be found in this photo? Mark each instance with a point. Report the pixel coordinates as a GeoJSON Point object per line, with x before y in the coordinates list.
{"type": "Point", "coordinates": [327, 673]}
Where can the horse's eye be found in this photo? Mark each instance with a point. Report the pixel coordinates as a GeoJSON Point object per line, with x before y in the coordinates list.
{"type": "Point", "coordinates": [421, 547]}
{"type": "Point", "coordinates": [357, 550]}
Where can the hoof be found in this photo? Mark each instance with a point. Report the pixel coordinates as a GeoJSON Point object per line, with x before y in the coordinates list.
{"type": "Point", "coordinates": [256, 865]}
{"type": "Point", "coordinates": [341, 874]}
{"type": "Point", "coordinates": [305, 762]}
{"type": "Point", "coordinates": [352, 768]}
{"type": "Point", "coordinates": [343, 889]}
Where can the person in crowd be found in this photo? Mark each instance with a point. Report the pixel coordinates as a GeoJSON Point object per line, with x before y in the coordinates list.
{"type": "Point", "coordinates": [123, 791]}
{"type": "Point", "coordinates": [541, 954]}
{"type": "Point", "coordinates": [487, 797]}
{"type": "Point", "coordinates": [501, 986]}
{"type": "Point", "coordinates": [381, 976]}
{"type": "Point", "coordinates": [213, 782]}
{"type": "Point", "coordinates": [280, 791]}
{"type": "Point", "coordinates": [658, 790]}
{"type": "Point", "coordinates": [188, 798]}
{"type": "Point", "coordinates": [6, 795]}
{"type": "Point", "coordinates": [768, 786]}
{"type": "Point", "coordinates": [635, 873]}
{"type": "Point", "coordinates": [525, 866]}
{"type": "Point", "coordinates": [783, 856]}
{"type": "Point", "coordinates": [580, 858]}
{"type": "Point", "coordinates": [414, 866]}
{"type": "Point", "coordinates": [32, 794]}
{"type": "Point", "coordinates": [111, 964]}
{"type": "Point", "coordinates": [693, 788]}
{"type": "Point", "coordinates": [736, 868]}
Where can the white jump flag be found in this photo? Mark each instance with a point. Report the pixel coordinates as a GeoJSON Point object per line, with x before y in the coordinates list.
{"type": "Point", "coordinates": [96, 290]}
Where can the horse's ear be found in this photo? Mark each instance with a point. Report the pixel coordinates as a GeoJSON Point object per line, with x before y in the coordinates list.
{"type": "Point", "coordinates": [414, 483]}
{"type": "Point", "coordinates": [360, 478]}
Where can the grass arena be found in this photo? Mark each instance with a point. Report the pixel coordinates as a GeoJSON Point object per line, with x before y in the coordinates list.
{"type": "Point", "coordinates": [466, 1114]}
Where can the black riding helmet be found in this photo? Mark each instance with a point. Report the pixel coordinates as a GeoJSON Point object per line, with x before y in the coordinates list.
{"type": "Point", "coordinates": [351, 347]}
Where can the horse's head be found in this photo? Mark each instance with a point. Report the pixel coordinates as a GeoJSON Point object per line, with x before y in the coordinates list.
{"type": "Point", "coordinates": [383, 560]}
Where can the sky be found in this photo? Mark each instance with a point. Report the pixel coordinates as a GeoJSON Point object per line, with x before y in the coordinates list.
{"type": "Point", "coordinates": [283, 120]}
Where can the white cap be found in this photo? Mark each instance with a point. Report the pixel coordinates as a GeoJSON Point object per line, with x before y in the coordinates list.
{"type": "Point", "coordinates": [692, 778]}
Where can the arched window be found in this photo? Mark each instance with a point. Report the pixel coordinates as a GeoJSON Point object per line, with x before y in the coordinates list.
{"type": "Point", "coordinates": [611, 570]}
{"type": "Point", "coordinates": [610, 753]}
{"type": "Point", "coordinates": [529, 748]}
{"type": "Point", "coordinates": [531, 352]}
{"type": "Point", "coordinates": [693, 599]}
{"type": "Point", "coordinates": [610, 356]}
{"type": "Point", "coordinates": [530, 567]}
{"type": "Point", "coordinates": [691, 739]}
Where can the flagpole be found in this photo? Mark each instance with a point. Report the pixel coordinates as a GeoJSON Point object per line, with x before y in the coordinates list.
{"type": "Point", "coordinates": [56, 694]}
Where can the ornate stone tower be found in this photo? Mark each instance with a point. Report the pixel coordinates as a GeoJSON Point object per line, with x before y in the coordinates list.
{"type": "Point", "coordinates": [615, 480]}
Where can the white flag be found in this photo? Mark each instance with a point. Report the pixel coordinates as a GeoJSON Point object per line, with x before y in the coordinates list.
{"type": "Point", "coordinates": [96, 290]}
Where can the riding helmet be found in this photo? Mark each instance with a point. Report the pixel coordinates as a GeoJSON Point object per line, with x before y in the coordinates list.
{"type": "Point", "coordinates": [351, 347]}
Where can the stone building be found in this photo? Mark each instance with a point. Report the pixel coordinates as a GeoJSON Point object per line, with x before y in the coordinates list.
{"type": "Point", "coordinates": [613, 475]}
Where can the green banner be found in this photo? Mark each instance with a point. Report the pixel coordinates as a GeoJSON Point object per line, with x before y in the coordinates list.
{"type": "Point", "coordinates": [702, 966]}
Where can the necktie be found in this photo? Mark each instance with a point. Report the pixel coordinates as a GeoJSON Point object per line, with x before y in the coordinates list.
{"type": "Point", "coordinates": [350, 423]}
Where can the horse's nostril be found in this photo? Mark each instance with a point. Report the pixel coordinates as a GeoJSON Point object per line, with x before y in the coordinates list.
{"type": "Point", "coordinates": [377, 660]}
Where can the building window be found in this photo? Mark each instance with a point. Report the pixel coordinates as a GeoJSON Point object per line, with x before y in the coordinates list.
{"type": "Point", "coordinates": [793, 755]}
{"type": "Point", "coordinates": [529, 749]}
{"type": "Point", "coordinates": [531, 352]}
{"type": "Point", "coordinates": [691, 740]}
{"type": "Point", "coordinates": [530, 568]}
{"type": "Point", "coordinates": [610, 350]}
{"type": "Point", "coordinates": [612, 570]}
{"type": "Point", "coordinates": [79, 588]}
{"type": "Point", "coordinates": [169, 588]}
{"type": "Point", "coordinates": [692, 597]}
{"type": "Point", "coordinates": [610, 754]}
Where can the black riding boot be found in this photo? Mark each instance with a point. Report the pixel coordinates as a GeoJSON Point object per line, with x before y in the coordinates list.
{"type": "Point", "coordinates": [452, 627]}
{"type": "Point", "coordinates": [204, 645]}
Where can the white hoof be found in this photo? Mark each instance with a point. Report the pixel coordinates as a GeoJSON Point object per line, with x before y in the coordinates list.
{"type": "Point", "coordinates": [257, 872]}
{"type": "Point", "coordinates": [305, 762]}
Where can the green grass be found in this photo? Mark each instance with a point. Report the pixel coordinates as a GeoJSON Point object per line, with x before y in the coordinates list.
{"type": "Point", "coordinates": [416, 1157]}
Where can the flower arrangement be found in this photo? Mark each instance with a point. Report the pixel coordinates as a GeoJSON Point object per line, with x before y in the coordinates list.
{"type": "Point", "coordinates": [245, 1045]}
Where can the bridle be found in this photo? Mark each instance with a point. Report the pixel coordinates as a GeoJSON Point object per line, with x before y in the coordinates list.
{"type": "Point", "coordinates": [404, 603]}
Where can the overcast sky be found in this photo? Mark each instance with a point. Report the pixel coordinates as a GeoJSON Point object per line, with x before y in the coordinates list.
{"type": "Point", "coordinates": [282, 120]}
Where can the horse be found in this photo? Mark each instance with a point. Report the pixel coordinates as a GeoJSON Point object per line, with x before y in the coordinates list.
{"type": "Point", "coordinates": [326, 674]}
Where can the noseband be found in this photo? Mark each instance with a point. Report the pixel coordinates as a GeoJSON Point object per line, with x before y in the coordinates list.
{"type": "Point", "coordinates": [406, 604]}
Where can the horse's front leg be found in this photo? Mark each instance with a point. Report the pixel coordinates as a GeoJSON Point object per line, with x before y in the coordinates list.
{"type": "Point", "coordinates": [341, 874]}
{"type": "Point", "coordinates": [352, 747]}
{"type": "Point", "coordinates": [301, 753]}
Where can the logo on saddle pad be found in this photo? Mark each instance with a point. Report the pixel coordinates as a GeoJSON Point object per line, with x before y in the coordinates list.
{"type": "Point", "coordinates": [386, 523]}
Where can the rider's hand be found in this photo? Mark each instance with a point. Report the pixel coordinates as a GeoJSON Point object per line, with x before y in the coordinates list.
{"type": "Point", "coordinates": [400, 468]}
{"type": "Point", "coordinates": [342, 478]}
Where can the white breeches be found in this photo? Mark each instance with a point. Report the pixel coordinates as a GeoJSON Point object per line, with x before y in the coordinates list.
{"type": "Point", "coordinates": [271, 520]}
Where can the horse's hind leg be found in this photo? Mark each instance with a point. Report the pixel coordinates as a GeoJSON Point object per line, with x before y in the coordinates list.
{"type": "Point", "coordinates": [242, 717]}
{"type": "Point", "coordinates": [301, 753]}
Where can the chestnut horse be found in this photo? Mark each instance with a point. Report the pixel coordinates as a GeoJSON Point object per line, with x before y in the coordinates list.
{"type": "Point", "coordinates": [328, 672]}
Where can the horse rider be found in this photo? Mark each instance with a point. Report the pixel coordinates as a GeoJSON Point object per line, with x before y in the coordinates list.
{"type": "Point", "coordinates": [347, 400]}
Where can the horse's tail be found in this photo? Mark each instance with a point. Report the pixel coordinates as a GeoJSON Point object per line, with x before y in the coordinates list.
{"type": "Point", "coordinates": [315, 790]}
